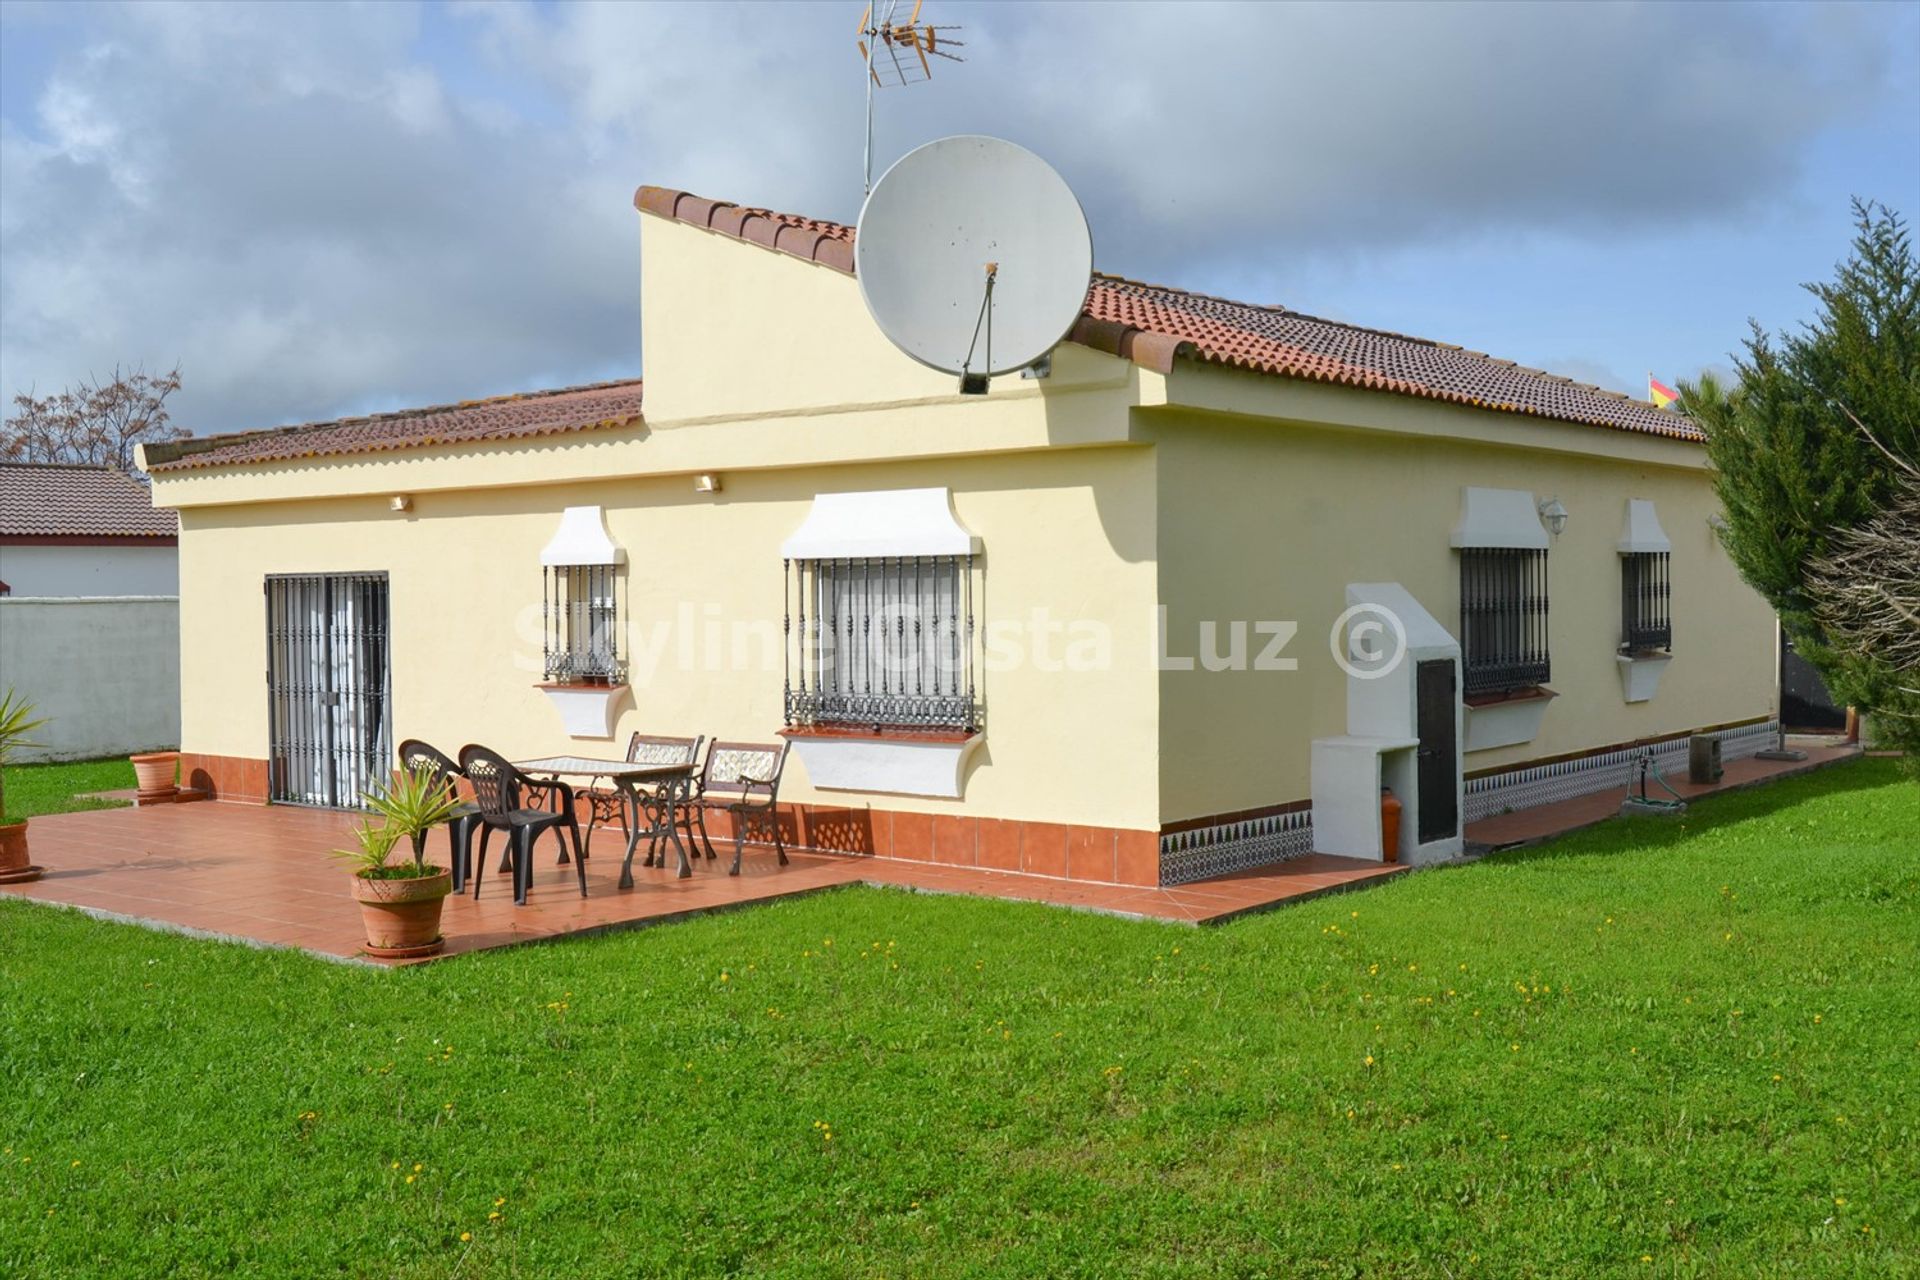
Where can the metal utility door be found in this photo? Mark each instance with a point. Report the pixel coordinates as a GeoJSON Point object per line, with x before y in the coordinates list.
{"type": "Point", "coordinates": [327, 690]}
{"type": "Point", "coordinates": [1436, 709]}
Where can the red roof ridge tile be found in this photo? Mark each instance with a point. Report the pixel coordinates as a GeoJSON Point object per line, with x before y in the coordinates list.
{"type": "Point", "coordinates": [1153, 325]}
{"type": "Point", "coordinates": [467, 420]}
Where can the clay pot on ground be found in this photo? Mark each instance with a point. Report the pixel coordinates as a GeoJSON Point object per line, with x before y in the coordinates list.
{"type": "Point", "coordinates": [14, 867]}
{"type": "Point", "coordinates": [153, 774]}
{"type": "Point", "coordinates": [402, 917]}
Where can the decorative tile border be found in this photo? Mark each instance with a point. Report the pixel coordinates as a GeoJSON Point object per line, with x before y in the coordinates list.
{"type": "Point", "coordinates": [1202, 853]}
{"type": "Point", "coordinates": [1536, 785]}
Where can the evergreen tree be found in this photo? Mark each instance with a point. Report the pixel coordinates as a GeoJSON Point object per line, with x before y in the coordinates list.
{"type": "Point", "coordinates": [1813, 442]}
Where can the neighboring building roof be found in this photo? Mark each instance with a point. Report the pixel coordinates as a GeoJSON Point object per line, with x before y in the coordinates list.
{"type": "Point", "coordinates": [48, 501]}
{"type": "Point", "coordinates": [1152, 324]}
{"type": "Point", "coordinates": [533, 413]}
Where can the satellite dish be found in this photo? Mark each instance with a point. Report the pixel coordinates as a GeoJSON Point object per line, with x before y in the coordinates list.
{"type": "Point", "coordinates": [973, 257]}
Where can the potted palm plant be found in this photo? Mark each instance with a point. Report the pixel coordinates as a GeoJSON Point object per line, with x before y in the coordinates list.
{"type": "Point", "coordinates": [16, 722]}
{"type": "Point", "coordinates": [400, 902]}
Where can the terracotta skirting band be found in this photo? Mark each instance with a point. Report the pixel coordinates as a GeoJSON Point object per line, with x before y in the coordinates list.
{"type": "Point", "coordinates": [240, 779]}
{"type": "Point", "coordinates": [1102, 855]}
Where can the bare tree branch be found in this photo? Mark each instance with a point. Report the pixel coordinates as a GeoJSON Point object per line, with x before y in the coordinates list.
{"type": "Point", "coordinates": [96, 421]}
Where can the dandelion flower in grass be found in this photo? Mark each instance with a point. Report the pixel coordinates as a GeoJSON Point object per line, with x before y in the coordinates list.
{"type": "Point", "coordinates": [494, 1216]}
{"type": "Point", "coordinates": [418, 1168]}
{"type": "Point", "coordinates": [1369, 1059]}
{"type": "Point", "coordinates": [1816, 1018]}
{"type": "Point", "coordinates": [498, 1201]}
{"type": "Point", "coordinates": [465, 1236]}
{"type": "Point", "coordinates": [1840, 1201]}
{"type": "Point", "coordinates": [410, 1178]}
{"type": "Point", "coordinates": [1646, 1257]}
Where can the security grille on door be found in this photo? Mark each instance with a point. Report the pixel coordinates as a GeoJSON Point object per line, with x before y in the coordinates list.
{"type": "Point", "coordinates": [327, 685]}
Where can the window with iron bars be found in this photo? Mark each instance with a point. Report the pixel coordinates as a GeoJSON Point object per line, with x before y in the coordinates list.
{"type": "Point", "coordinates": [580, 609]}
{"type": "Point", "coordinates": [881, 642]}
{"type": "Point", "coordinates": [1646, 623]}
{"type": "Point", "coordinates": [1503, 619]}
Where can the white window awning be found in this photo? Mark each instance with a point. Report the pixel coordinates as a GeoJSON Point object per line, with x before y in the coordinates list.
{"type": "Point", "coordinates": [1642, 531]}
{"type": "Point", "coordinates": [1496, 518]}
{"type": "Point", "coordinates": [582, 539]}
{"type": "Point", "coordinates": [882, 522]}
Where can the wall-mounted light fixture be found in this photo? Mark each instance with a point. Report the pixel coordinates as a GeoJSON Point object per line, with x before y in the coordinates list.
{"type": "Point", "coordinates": [706, 482]}
{"type": "Point", "coordinates": [400, 502]}
{"type": "Point", "coordinates": [1553, 514]}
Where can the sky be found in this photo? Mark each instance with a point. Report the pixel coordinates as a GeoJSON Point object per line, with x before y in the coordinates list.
{"type": "Point", "coordinates": [319, 210]}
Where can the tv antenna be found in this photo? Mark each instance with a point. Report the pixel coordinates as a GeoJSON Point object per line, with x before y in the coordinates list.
{"type": "Point", "coordinates": [973, 257]}
{"type": "Point", "coordinates": [899, 53]}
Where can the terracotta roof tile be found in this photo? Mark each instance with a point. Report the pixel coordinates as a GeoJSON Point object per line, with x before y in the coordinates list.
{"type": "Point", "coordinates": [58, 500]}
{"type": "Point", "coordinates": [534, 413]}
{"type": "Point", "coordinates": [1154, 324]}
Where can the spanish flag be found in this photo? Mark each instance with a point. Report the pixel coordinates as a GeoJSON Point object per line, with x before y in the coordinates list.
{"type": "Point", "coordinates": [1662, 395]}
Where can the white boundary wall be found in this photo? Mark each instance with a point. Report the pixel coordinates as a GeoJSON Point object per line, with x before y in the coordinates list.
{"type": "Point", "coordinates": [106, 669]}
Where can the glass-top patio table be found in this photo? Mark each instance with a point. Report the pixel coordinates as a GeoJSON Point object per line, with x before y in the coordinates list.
{"type": "Point", "coordinates": [673, 783]}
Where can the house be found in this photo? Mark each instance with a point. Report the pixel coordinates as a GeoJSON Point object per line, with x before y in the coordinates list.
{"type": "Point", "coordinates": [89, 623]}
{"type": "Point", "coordinates": [1181, 601]}
{"type": "Point", "coordinates": [81, 530]}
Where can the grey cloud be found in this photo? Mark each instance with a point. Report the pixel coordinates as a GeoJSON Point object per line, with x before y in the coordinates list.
{"type": "Point", "coordinates": [306, 208]}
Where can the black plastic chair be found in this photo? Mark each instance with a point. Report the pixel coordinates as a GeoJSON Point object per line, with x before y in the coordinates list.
{"type": "Point", "coordinates": [499, 788]}
{"type": "Point", "coordinates": [415, 754]}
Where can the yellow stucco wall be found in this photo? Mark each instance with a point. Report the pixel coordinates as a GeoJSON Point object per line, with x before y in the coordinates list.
{"type": "Point", "coordinates": [1255, 499]}
{"type": "Point", "coordinates": [1266, 519]}
{"type": "Point", "coordinates": [1068, 532]}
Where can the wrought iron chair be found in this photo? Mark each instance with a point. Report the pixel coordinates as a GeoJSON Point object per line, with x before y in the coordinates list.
{"type": "Point", "coordinates": [499, 788]}
{"type": "Point", "coordinates": [605, 804]}
{"type": "Point", "coordinates": [742, 779]}
{"type": "Point", "coordinates": [415, 754]}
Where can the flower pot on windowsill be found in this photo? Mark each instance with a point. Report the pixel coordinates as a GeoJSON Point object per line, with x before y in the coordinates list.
{"type": "Point", "coordinates": [155, 775]}
{"type": "Point", "coordinates": [14, 867]}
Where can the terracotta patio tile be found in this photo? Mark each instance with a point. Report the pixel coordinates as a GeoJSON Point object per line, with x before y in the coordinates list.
{"type": "Point", "coordinates": [913, 836]}
{"type": "Point", "coordinates": [1136, 858]}
{"type": "Point", "coordinates": [1090, 853]}
{"type": "Point", "coordinates": [955, 839]}
{"type": "Point", "coordinates": [999, 846]}
{"type": "Point", "coordinates": [1043, 849]}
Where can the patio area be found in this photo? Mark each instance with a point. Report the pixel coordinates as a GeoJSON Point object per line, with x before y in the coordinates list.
{"type": "Point", "coordinates": [264, 874]}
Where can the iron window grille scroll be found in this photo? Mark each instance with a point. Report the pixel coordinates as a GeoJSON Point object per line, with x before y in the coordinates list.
{"type": "Point", "coordinates": [582, 623]}
{"type": "Point", "coordinates": [1503, 619]}
{"type": "Point", "coordinates": [1646, 620]}
{"type": "Point", "coordinates": [880, 642]}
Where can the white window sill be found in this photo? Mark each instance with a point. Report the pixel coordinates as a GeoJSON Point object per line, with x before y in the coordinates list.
{"type": "Point", "coordinates": [1508, 723]}
{"type": "Point", "coordinates": [1640, 674]}
{"type": "Point", "coordinates": [902, 762]}
{"type": "Point", "coordinates": [586, 710]}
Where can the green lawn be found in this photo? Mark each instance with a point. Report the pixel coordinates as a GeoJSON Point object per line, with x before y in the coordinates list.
{"type": "Point", "coordinates": [1662, 1047]}
{"type": "Point", "coordinates": [34, 789]}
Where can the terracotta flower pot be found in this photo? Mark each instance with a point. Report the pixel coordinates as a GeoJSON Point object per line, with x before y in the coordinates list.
{"type": "Point", "coordinates": [14, 867]}
{"type": "Point", "coordinates": [153, 774]}
{"type": "Point", "coordinates": [402, 917]}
